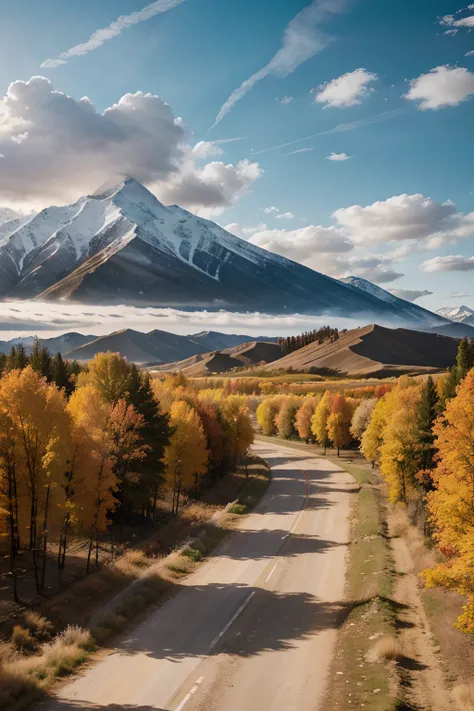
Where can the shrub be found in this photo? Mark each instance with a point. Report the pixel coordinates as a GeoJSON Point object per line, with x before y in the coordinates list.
{"type": "Point", "coordinates": [24, 640]}
{"type": "Point", "coordinates": [193, 554]}
{"type": "Point", "coordinates": [136, 557]}
{"type": "Point", "coordinates": [73, 634]}
{"type": "Point", "coordinates": [7, 653]}
{"type": "Point", "coordinates": [464, 697]}
{"type": "Point", "coordinates": [386, 648]}
{"type": "Point", "coordinates": [179, 564]}
{"type": "Point", "coordinates": [239, 509]}
{"type": "Point", "coordinates": [39, 626]}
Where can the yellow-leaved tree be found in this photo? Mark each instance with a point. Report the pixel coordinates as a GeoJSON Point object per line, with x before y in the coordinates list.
{"type": "Point", "coordinates": [399, 463]}
{"type": "Point", "coordinates": [186, 454]}
{"type": "Point", "coordinates": [319, 421]}
{"type": "Point", "coordinates": [237, 427]}
{"type": "Point", "coordinates": [451, 504]}
{"type": "Point", "coordinates": [372, 437]}
{"type": "Point", "coordinates": [266, 412]}
{"type": "Point", "coordinates": [33, 458]}
{"type": "Point", "coordinates": [91, 496]}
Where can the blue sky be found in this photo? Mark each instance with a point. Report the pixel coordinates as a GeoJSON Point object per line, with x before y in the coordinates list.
{"type": "Point", "coordinates": [198, 52]}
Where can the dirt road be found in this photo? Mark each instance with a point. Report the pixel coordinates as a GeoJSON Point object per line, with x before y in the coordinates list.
{"type": "Point", "coordinates": [254, 627]}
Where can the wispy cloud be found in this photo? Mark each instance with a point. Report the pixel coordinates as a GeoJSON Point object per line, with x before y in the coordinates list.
{"type": "Point", "coordinates": [99, 37]}
{"type": "Point", "coordinates": [340, 128]}
{"type": "Point", "coordinates": [302, 39]}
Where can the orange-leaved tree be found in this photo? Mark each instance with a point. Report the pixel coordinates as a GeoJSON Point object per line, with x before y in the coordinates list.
{"type": "Point", "coordinates": [285, 417]}
{"type": "Point", "coordinates": [304, 415]}
{"type": "Point", "coordinates": [451, 504]}
{"type": "Point", "coordinates": [339, 421]}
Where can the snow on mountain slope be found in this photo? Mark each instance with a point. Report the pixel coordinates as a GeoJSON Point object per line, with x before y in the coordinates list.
{"type": "Point", "coordinates": [121, 245]}
{"type": "Point", "coordinates": [412, 311]}
{"type": "Point", "coordinates": [456, 313]}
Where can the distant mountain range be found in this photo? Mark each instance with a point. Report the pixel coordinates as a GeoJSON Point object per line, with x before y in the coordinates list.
{"type": "Point", "coordinates": [156, 347]}
{"type": "Point", "coordinates": [122, 246]}
{"type": "Point", "coordinates": [459, 314]}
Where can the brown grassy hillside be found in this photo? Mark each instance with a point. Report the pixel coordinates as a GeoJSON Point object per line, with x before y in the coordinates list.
{"type": "Point", "coordinates": [373, 350]}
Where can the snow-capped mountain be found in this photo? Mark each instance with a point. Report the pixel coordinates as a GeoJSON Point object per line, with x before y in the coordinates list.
{"type": "Point", "coordinates": [122, 246]}
{"type": "Point", "coordinates": [410, 311]}
{"type": "Point", "coordinates": [460, 314]}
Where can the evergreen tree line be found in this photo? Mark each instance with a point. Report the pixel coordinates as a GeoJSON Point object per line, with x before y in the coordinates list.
{"type": "Point", "coordinates": [420, 435]}
{"type": "Point", "coordinates": [320, 335]}
{"type": "Point", "coordinates": [54, 368]}
{"type": "Point", "coordinates": [71, 463]}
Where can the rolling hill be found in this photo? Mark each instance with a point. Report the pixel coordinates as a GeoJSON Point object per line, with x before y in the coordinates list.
{"type": "Point", "coordinates": [373, 350]}
{"type": "Point", "coordinates": [215, 362]}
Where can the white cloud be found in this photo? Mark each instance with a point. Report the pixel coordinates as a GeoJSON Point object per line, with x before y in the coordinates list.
{"type": "Point", "coordinates": [303, 244]}
{"type": "Point", "coordinates": [339, 156]}
{"type": "Point", "coordinates": [457, 295]}
{"type": "Point", "coordinates": [286, 216]}
{"type": "Point", "coordinates": [347, 90]}
{"type": "Point", "coordinates": [245, 232]}
{"type": "Point", "coordinates": [470, 54]}
{"type": "Point", "coordinates": [406, 218]}
{"type": "Point", "coordinates": [57, 148]}
{"type": "Point", "coordinates": [410, 294]}
{"type": "Point", "coordinates": [205, 149]}
{"type": "Point", "coordinates": [459, 22]}
{"type": "Point", "coordinates": [49, 319]}
{"type": "Point", "coordinates": [209, 190]}
{"type": "Point", "coordinates": [451, 263]}
{"type": "Point", "coordinates": [116, 28]}
{"type": "Point", "coordinates": [442, 86]}
{"type": "Point", "coordinates": [302, 39]}
{"type": "Point", "coordinates": [287, 100]}
{"type": "Point", "coordinates": [269, 210]}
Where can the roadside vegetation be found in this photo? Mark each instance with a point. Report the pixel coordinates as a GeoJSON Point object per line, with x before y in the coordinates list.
{"type": "Point", "coordinates": [86, 472]}
{"type": "Point", "coordinates": [417, 438]}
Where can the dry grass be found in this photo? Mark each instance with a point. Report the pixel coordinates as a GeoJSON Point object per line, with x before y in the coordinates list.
{"type": "Point", "coordinates": [179, 564]}
{"type": "Point", "coordinates": [23, 640]}
{"type": "Point", "coordinates": [131, 564]}
{"type": "Point", "coordinates": [39, 626]}
{"type": "Point", "coordinates": [388, 648]}
{"type": "Point", "coordinates": [463, 697]}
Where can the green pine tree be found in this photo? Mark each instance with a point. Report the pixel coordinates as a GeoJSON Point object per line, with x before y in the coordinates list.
{"type": "Point", "coordinates": [426, 414]}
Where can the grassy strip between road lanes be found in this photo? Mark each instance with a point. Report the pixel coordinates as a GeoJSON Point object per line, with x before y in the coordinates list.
{"type": "Point", "coordinates": [362, 674]}
{"type": "Point", "coordinates": [31, 664]}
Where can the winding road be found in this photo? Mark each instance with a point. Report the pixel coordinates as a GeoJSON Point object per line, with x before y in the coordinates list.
{"type": "Point", "coordinates": [254, 627]}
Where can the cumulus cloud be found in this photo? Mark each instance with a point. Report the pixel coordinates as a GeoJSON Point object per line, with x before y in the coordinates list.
{"type": "Point", "coordinates": [285, 216]}
{"type": "Point", "coordinates": [410, 294]}
{"type": "Point", "coordinates": [209, 190]}
{"type": "Point", "coordinates": [270, 210]}
{"type": "Point", "coordinates": [451, 263]}
{"type": "Point", "coordinates": [303, 243]}
{"type": "Point", "coordinates": [338, 156]}
{"type": "Point", "coordinates": [57, 148]}
{"type": "Point", "coordinates": [245, 232]}
{"type": "Point", "coordinates": [347, 90]}
{"type": "Point", "coordinates": [406, 218]}
{"type": "Point", "coordinates": [287, 100]}
{"type": "Point", "coordinates": [302, 39]}
{"type": "Point", "coordinates": [442, 86]}
{"type": "Point", "coordinates": [115, 29]}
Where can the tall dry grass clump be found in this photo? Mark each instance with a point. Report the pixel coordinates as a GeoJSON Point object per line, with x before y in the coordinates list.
{"type": "Point", "coordinates": [463, 697]}
{"type": "Point", "coordinates": [386, 648]}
